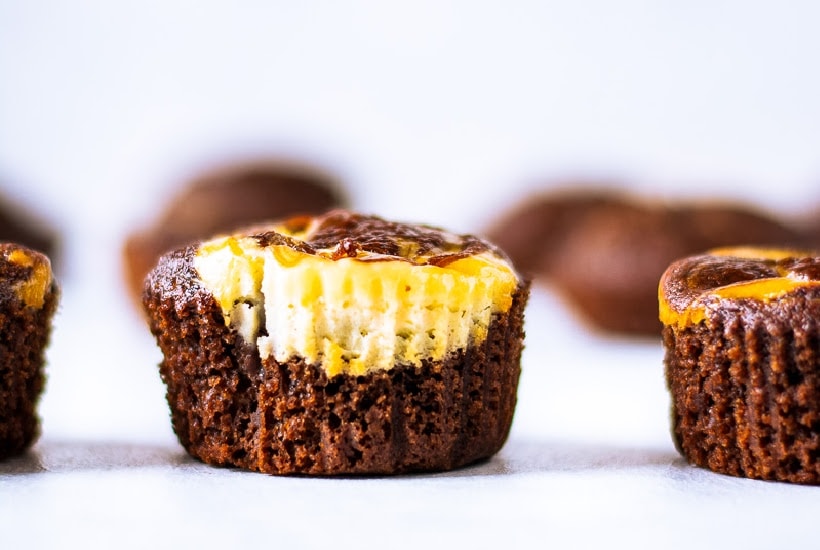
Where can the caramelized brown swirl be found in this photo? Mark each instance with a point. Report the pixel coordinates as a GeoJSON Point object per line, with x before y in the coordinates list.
{"type": "Point", "coordinates": [342, 234]}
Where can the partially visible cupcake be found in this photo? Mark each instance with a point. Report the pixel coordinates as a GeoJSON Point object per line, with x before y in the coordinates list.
{"type": "Point", "coordinates": [28, 299]}
{"type": "Point", "coordinates": [225, 199]}
{"type": "Point", "coordinates": [339, 344]}
{"type": "Point", "coordinates": [742, 339]}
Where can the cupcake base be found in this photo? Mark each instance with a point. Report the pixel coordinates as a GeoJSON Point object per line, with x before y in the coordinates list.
{"type": "Point", "coordinates": [24, 335]}
{"type": "Point", "coordinates": [746, 391]}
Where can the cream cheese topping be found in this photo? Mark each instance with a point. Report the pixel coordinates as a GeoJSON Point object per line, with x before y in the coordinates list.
{"type": "Point", "coordinates": [350, 315]}
{"type": "Point", "coordinates": [764, 289]}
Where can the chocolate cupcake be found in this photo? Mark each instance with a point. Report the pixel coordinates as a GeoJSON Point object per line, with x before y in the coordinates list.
{"type": "Point", "coordinates": [531, 231]}
{"type": "Point", "coordinates": [604, 251]}
{"type": "Point", "coordinates": [741, 333]}
{"type": "Point", "coordinates": [339, 344]}
{"type": "Point", "coordinates": [223, 200]}
{"type": "Point", "coordinates": [28, 299]}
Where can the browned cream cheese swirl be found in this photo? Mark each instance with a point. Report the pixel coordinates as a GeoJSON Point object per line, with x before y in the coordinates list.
{"type": "Point", "coordinates": [691, 287]}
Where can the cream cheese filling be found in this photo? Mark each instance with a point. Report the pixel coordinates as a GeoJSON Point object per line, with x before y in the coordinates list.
{"type": "Point", "coordinates": [348, 315]}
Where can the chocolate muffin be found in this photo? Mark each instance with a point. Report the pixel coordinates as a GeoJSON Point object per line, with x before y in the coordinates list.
{"type": "Point", "coordinates": [339, 344]}
{"type": "Point", "coordinates": [741, 334]}
{"type": "Point", "coordinates": [222, 200]}
{"type": "Point", "coordinates": [28, 299]}
{"type": "Point", "coordinates": [604, 251]}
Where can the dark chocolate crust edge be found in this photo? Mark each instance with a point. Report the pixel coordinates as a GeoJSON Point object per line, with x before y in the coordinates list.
{"type": "Point", "coordinates": [745, 389]}
{"type": "Point", "coordinates": [229, 408]}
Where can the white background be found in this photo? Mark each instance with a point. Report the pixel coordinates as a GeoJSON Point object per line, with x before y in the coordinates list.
{"type": "Point", "coordinates": [428, 111]}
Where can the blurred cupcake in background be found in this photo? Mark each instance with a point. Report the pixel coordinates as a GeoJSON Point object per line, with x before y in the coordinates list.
{"type": "Point", "coordinates": [23, 223]}
{"type": "Point", "coordinates": [225, 198]}
{"type": "Point", "coordinates": [603, 249]}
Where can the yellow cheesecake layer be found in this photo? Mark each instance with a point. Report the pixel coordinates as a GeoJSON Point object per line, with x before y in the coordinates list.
{"type": "Point", "coordinates": [692, 315]}
{"type": "Point", "coordinates": [353, 315]}
{"type": "Point", "coordinates": [32, 291]}
{"type": "Point", "coordinates": [764, 290]}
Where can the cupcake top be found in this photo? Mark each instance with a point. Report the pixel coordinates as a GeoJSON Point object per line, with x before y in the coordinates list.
{"type": "Point", "coordinates": [25, 274]}
{"type": "Point", "coordinates": [356, 293]}
{"type": "Point", "coordinates": [692, 288]}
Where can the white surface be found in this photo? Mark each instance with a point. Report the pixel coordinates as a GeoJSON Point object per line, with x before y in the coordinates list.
{"type": "Point", "coordinates": [428, 112]}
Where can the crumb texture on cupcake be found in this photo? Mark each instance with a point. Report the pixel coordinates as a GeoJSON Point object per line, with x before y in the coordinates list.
{"type": "Point", "coordinates": [339, 344]}
{"type": "Point", "coordinates": [28, 299]}
{"type": "Point", "coordinates": [742, 340]}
